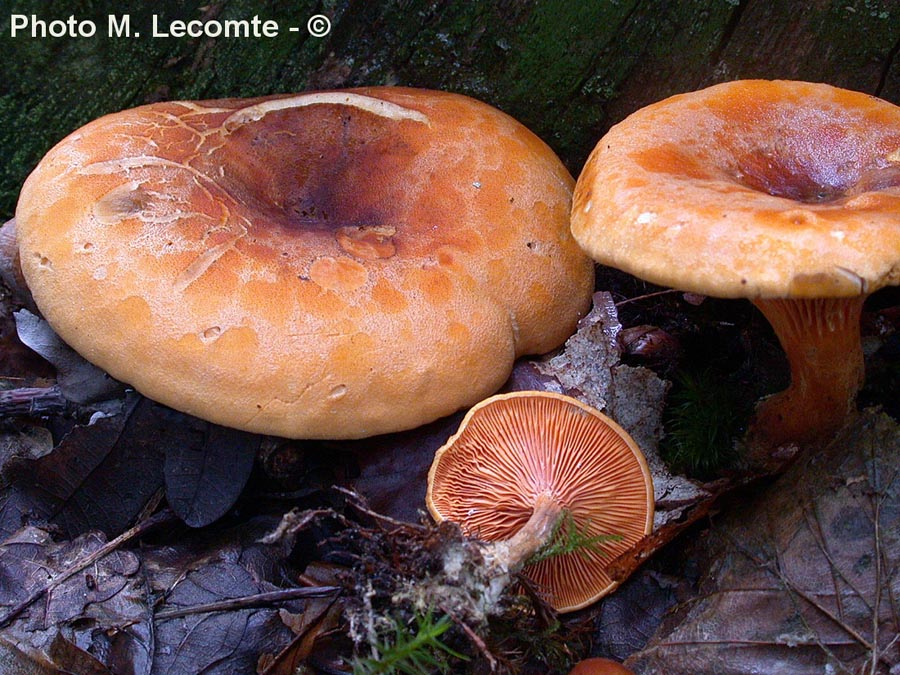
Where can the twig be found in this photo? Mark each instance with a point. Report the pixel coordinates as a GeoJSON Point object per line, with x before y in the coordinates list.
{"type": "Point", "coordinates": [729, 642]}
{"type": "Point", "coordinates": [32, 401]}
{"type": "Point", "coordinates": [794, 591]}
{"type": "Point", "coordinates": [876, 506]}
{"type": "Point", "coordinates": [327, 614]}
{"type": "Point", "coordinates": [248, 601]}
{"type": "Point", "coordinates": [473, 637]}
{"type": "Point", "coordinates": [647, 295]}
{"type": "Point", "coordinates": [293, 522]}
{"type": "Point", "coordinates": [359, 503]}
{"type": "Point", "coordinates": [88, 560]}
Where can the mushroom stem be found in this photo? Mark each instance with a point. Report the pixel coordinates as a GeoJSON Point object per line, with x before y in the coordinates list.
{"type": "Point", "coordinates": [536, 532]}
{"type": "Point", "coordinates": [821, 339]}
{"type": "Point", "coordinates": [506, 557]}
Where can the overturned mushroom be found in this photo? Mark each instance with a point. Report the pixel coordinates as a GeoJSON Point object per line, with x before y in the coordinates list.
{"type": "Point", "coordinates": [525, 465]}
{"type": "Point", "coordinates": [787, 193]}
{"type": "Point", "coordinates": [324, 265]}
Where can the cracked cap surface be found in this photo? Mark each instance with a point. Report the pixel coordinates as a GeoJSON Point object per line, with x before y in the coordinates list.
{"type": "Point", "coordinates": [324, 265]}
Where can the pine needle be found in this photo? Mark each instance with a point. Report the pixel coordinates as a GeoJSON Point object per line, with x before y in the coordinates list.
{"type": "Point", "coordinates": [567, 538]}
{"type": "Point", "coordinates": [418, 652]}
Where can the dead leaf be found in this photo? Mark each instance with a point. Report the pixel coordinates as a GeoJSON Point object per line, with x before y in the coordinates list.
{"type": "Point", "coordinates": [319, 618]}
{"type": "Point", "coordinates": [223, 642]}
{"type": "Point", "coordinates": [79, 380]}
{"type": "Point", "coordinates": [22, 660]}
{"type": "Point", "coordinates": [93, 609]}
{"type": "Point", "coordinates": [73, 659]}
{"type": "Point", "coordinates": [103, 474]}
{"type": "Point", "coordinates": [205, 476]}
{"type": "Point", "coordinates": [108, 616]}
{"type": "Point", "coordinates": [394, 467]}
{"type": "Point", "coordinates": [804, 578]}
{"type": "Point", "coordinates": [100, 476]}
{"type": "Point", "coordinates": [628, 618]}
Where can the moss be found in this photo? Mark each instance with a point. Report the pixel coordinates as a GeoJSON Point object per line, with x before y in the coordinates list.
{"type": "Point", "coordinates": [255, 66]}
{"type": "Point", "coordinates": [568, 70]}
{"type": "Point", "coordinates": [878, 20]}
{"type": "Point", "coordinates": [559, 44]}
{"type": "Point", "coordinates": [578, 57]}
{"type": "Point", "coordinates": [703, 420]}
{"type": "Point", "coordinates": [55, 85]}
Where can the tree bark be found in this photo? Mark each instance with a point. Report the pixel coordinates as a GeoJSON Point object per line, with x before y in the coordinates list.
{"type": "Point", "coordinates": [568, 70]}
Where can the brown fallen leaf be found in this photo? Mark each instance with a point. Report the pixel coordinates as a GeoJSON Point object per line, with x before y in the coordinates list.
{"type": "Point", "coordinates": [394, 467]}
{"type": "Point", "coordinates": [109, 594]}
{"type": "Point", "coordinates": [318, 619]}
{"type": "Point", "coordinates": [90, 606]}
{"type": "Point", "coordinates": [70, 658]}
{"type": "Point", "coordinates": [79, 380]}
{"type": "Point", "coordinates": [805, 577]}
{"type": "Point", "coordinates": [22, 660]}
{"type": "Point", "coordinates": [217, 568]}
{"type": "Point", "coordinates": [99, 477]}
{"type": "Point", "coordinates": [102, 475]}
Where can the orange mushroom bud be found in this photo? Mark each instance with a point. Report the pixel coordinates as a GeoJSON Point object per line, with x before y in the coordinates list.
{"type": "Point", "coordinates": [518, 463]}
{"type": "Point", "coordinates": [598, 666]}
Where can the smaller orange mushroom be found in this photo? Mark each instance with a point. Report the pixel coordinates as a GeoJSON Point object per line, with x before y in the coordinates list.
{"type": "Point", "coordinates": [522, 461]}
{"type": "Point", "coordinates": [786, 193]}
{"type": "Point", "coordinates": [598, 666]}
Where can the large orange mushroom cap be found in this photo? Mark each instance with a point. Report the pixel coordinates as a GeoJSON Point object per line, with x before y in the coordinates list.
{"type": "Point", "coordinates": [514, 452]}
{"type": "Point", "coordinates": [323, 265]}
